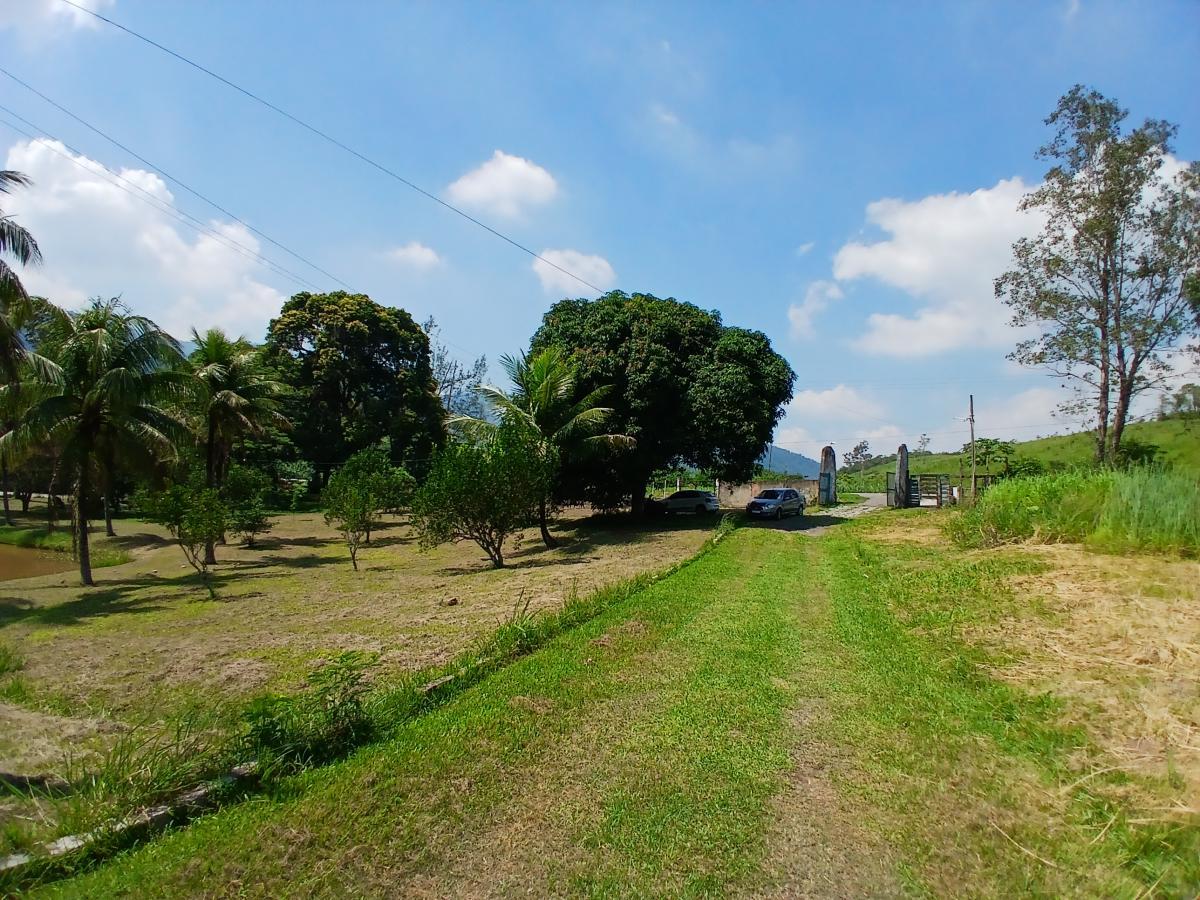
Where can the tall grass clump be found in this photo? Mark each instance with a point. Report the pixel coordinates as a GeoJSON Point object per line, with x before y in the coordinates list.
{"type": "Point", "coordinates": [1119, 510]}
{"type": "Point", "coordinates": [1151, 509]}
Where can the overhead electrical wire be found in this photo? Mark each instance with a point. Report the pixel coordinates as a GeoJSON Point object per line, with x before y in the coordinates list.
{"type": "Point", "coordinates": [130, 187]}
{"type": "Point", "coordinates": [195, 193]}
{"type": "Point", "coordinates": [332, 140]}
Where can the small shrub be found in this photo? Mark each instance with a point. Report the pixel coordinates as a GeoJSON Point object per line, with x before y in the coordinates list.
{"type": "Point", "coordinates": [195, 516]}
{"type": "Point", "coordinates": [322, 723]}
{"type": "Point", "coordinates": [245, 491]}
{"type": "Point", "coordinates": [10, 659]}
{"type": "Point", "coordinates": [349, 507]}
{"type": "Point", "coordinates": [482, 492]}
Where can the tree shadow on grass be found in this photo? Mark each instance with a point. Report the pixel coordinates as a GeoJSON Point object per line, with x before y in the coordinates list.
{"type": "Point", "coordinates": [280, 543]}
{"type": "Point", "coordinates": [394, 540]}
{"type": "Point", "coordinates": [485, 566]}
{"type": "Point", "coordinates": [137, 540]}
{"type": "Point", "coordinates": [113, 597]}
{"type": "Point", "coordinates": [798, 523]}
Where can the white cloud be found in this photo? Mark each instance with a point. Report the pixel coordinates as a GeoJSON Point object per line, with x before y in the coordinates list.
{"type": "Point", "coordinates": [805, 248]}
{"type": "Point", "coordinates": [842, 403]}
{"type": "Point", "coordinates": [945, 250]}
{"type": "Point", "coordinates": [505, 185]}
{"type": "Point", "coordinates": [99, 239]}
{"type": "Point", "coordinates": [818, 296]}
{"type": "Point", "coordinates": [1025, 414]}
{"type": "Point", "coordinates": [39, 17]}
{"type": "Point", "coordinates": [415, 255]}
{"type": "Point", "coordinates": [841, 415]}
{"type": "Point", "coordinates": [593, 269]}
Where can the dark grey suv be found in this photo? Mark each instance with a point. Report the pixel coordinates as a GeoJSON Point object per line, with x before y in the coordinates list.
{"type": "Point", "coordinates": [775, 503]}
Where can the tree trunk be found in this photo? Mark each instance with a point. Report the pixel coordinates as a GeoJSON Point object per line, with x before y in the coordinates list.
{"type": "Point", "coordinates": [81, 526]}
{"type": "Point", "coordinates": [1124, 398]}
{"type": "Point", "coordinates": [8, 520]}
{"type": "Point", "coordinates": [210, 477]}
{"type": "Point", "coordinates": [546, 537]}
{"type": "Point", "coordinates": [638, 505]}
{"type": "Point", "coordinates": [50, 496]}
{"type": "Point", "coordinates": [1102, 416]}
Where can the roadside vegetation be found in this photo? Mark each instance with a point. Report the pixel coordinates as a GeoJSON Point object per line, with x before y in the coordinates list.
{"type": "Point", "coordinates": [1140, 509]}
{"type": "Point", "coordinates": [899, 731]}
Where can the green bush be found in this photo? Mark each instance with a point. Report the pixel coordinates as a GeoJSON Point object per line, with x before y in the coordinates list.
{"type": "Point", "coordinates": [245, 490]}
{"type": "Point", "coordinates": [367, 486]}
{"type": "Point", "coordinates": [195, 515]}
{"type": "Point", "coordinates": [1134, 509]}
{"type": "Point", "coordinates": [320, 724]}
{"type": "Point", "coordinates": [482, 492]}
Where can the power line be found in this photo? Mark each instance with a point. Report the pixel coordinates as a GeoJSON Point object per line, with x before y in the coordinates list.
{"type": "Point", "coordinates": [149, 198]}
{"type": "Point", "coordinates": [330, 139]}
{"type": "Point", "coordinates": [791, 445]}
{"type": "Point", "coordinates": [172, 178]}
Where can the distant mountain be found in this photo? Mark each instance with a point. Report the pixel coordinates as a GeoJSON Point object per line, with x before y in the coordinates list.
{"type": "Point", "coordinates": [785, 461]}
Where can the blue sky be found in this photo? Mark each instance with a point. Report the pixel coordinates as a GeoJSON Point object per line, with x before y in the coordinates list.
{"type": "Point", "coordinates": [843, 177]}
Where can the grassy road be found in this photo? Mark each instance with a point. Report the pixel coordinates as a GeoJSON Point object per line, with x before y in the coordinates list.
{"type": "Point", "coordinates": [784, 716]}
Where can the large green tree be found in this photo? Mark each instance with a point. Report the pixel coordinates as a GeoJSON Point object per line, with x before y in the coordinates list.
{"type": "Point", "coordinates": [1104, 285]}
{"type": "Point", "coordinates": [687, 388]}
{"type": "Point", "coordinates": [361, 373]}
{"type": "Point", "coordinates": [238, 397]}
{"type": "Point", "coordinates": [114, 394]}
{"type": "Point", "coordinates": [545, 403]}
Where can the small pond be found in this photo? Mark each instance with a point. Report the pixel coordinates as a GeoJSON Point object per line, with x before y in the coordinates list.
{"type": "Point", "coordinates": [25, 562]}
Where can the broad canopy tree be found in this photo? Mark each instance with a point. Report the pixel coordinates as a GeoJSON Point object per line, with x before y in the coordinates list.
{"type": "Point", "coordinates": [1106, 282]}
{"type": "Point", "coordinates": [686, 388]}
{"type": "Point", "coordinates": [360, 373]}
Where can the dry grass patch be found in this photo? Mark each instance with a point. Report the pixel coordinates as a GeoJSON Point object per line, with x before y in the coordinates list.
{"type": "Point", "coordinates": [146, 642]}
{"type": "Point", "coordinates": [1122, 639]}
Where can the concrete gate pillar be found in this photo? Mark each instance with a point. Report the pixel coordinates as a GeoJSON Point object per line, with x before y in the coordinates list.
{"type": "Point", "coordinates": [827, 486]}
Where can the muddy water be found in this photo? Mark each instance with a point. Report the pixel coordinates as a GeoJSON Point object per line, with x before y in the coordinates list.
{"type": "Point", "coordinates": [23, 562]}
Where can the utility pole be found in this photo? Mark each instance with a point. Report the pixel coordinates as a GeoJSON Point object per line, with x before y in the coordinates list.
{"type": "Point", "coordinates": [971, 419]}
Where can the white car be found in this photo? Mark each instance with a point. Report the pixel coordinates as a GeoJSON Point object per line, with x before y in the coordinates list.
{"type": "Point", "coordinates": [691, 501]}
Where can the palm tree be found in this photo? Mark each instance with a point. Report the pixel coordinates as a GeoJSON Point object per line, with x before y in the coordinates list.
{"type": "Point", "coordinates": [15, 242]}
{"type": "Point", "coordinates": [18, 311]}
{"type": "Point", "coordinates": [542, 403]}
{"type": "Point", "coordinates": [238, 397]}
{"type": "Point", "coordinates": [108, 397]}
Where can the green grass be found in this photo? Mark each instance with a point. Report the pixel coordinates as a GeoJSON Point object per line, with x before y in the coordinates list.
{"type": "Point", "coordinates": [1136, 509]}
{"type": "Point", "coordinates": [677, 764]}
{"type": "Point", "coordinates": [11, 659]}
{"type": "Point", "coordinates": [647, 749]}
{"type": "Point", "coordinates": [923, 713]}
{"type": "Point", "coordinates": [1177, 442]}
{"type": "Point", "coordinates": [58, 541]}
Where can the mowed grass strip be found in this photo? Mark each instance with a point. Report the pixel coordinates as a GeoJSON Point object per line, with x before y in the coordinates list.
{"type": "Point", "coordinates": [985, 788]}
{"type": "Point", "coordinates": [637, 754]}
